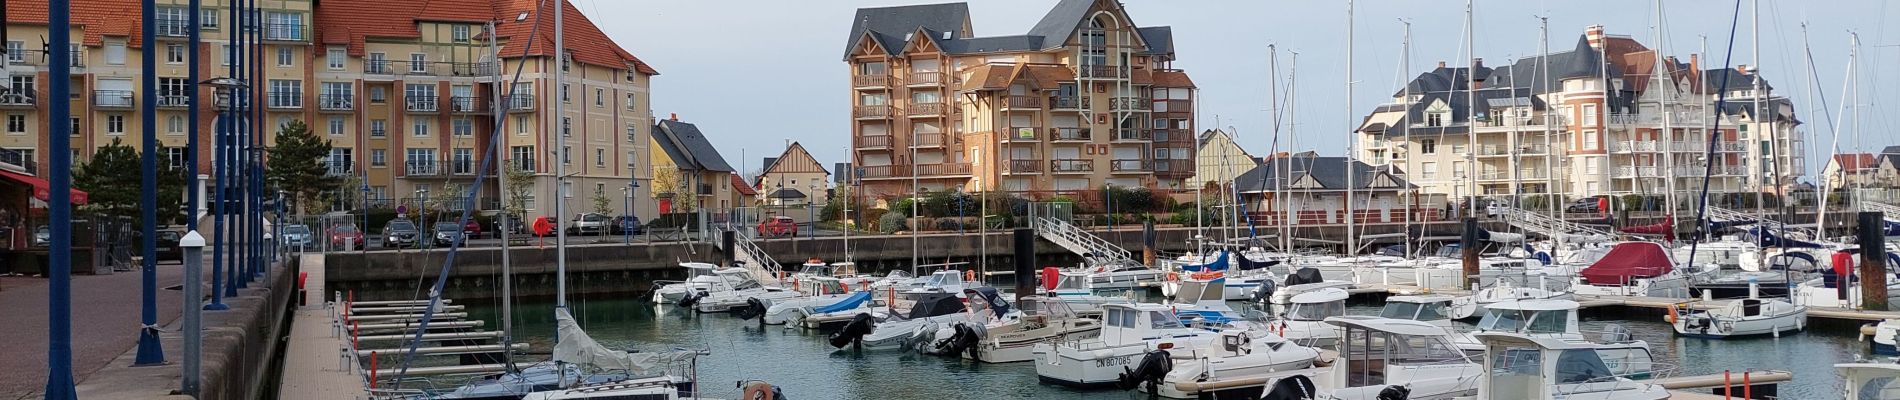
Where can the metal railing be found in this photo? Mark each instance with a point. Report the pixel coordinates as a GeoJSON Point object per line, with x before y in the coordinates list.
{"type": "Point", "coordinates": [521, 102]}
{"type": "Point", "coordinates": [173, 27]}
{"type": "Point", "coordinates": [336, 102]}
{"type": "Point", "coordinates": [467, 104]}
{"type": "Point", "coordinates": [284, 32]}
{"type": "Point", "coordinates": [285, 100]}
{"type": "Point", "coordinates": [16, 158]}
{"type": "Point", "coordinates": [871, 111]}
{"type": "Point", "coordinates": [378, 67]}
{"type": "Point", "coordinates": [1070, 166]}
{"type": "Point", "coordinates": [113, 98]}
{"type": "Point", "coordinates": [420, 104]}
{"type": "Point", "coordinates": [173, 100]}
{"type": "Point", "coordinates": [17, 99]}
{"type": "Point", "coordinates": [1062, 134]}
{"type": "Point", "coordinates": [417, 168]}
{"type": "Point", "coordinates": [338, 167]}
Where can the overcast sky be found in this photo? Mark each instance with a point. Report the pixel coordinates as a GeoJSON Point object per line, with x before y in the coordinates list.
{"type": "Point", "coordinates": [752, 73]}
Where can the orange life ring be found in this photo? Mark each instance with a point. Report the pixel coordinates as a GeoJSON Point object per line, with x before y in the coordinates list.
{"type": "Point", "coordinates": [758, 390]}
{"type": "Point", "coordinates": [969, 275]}
{"type": "Point", "coordinates": [1174, 276]}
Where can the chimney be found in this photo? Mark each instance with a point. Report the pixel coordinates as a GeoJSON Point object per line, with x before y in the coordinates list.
{"type": "Point", "coordinates": [673, 116]}
{"type": "Point", "coordinates": [1742, 69]}
{"type": "Point", "coordinates": [1695, 63]}
{"type": "Point", "coordinates": [1477, 62]}
{"type": "Point", "coordinates": [1594, 34]}
{"type": "Point", "coordinates": [1441, 64]}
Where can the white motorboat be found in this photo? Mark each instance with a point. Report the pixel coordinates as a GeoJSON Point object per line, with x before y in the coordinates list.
{"type": "Point", "coordinates": [1557, 319]}
{"type": "Point", "coordinates": [845, 274]}
{"type": "Point", "coordinates": [1827, 291]}
{"type": "Point", "coordinates": [1128, 332]}
{"type": "Point", "coordinates": [838, 305]}
{"type": "Point", "coordinates": [1114, 277]}
{"type": "Point", "coordinates": [949, 281]}
{"type": "Point", "coordinates": [1739, 318]}
{"type": "Point", "coordinates": [1871, 380]}
{"type": "Point", "coordinates": [1432, 309]}
{"type": "Point", "coordinates": [1072, 287]}
{"type": "Point", "coordinates": [1634, 269]}
{"type": "Point", "coordinates": [1305, 321]}
{"type": "Point", "coordinates": [1472, 306]}
{"type": "Point", "coordinates": [1238, 284]}
{"type": "Point", "coordinates": [999, 340]}
{"type": "Point", "coordinates": [864, 332]}
{"type": "Point", "coordinates": [1885, 334]}
{"type": "Point", "coordinates": [698, 276]}
{"type": "Point", "coordinates": [735, 289]}
{"type": "Point", "coordinates": [1233, 355]}
{"type": "Point", "coordinates": [1376, 354]}
{"type": "Point", "coordinates": [1524, 367]}
{"type": "Point", "coordinates": [1302, 281]}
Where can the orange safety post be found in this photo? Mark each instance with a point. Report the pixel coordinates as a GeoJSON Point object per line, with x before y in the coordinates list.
{"type": "Point", "coordinates": [1748, 390]}
{"type": "Point", "coordinates": [372, 370]}
{"type": "Point", "coordinates": [1728, 387]}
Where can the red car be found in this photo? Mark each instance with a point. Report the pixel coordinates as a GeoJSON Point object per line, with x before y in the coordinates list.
{"type": "Point", "coordinates": [779, 226]}
{"type": "Point", "coordinates": [472, 229]}
{"type": "Point", "coordinates": [341, 233]}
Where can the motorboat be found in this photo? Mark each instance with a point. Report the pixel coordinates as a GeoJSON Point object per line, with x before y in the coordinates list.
{"type": "Point", "coordinates": [997, 340]}
{"type": "Point", "coordinates": [513, 385]}
{"type": "Point", "coordinates": [1738, 318]}
{"type": "Point", "coordinates": [1634, 269]}
{"type": "Point", "coordinates": [1302, 281]}
{"type": "Point", "coordinates": [1544, 368]}
{"type": "Point", "coordinates": [1114, 277]}
{"type": "Point", "coordinates": [1883, 338]}
{"type": "Point", "coordinates": [866, 333]}
{"type": "Point", "coordinates": [1831, 290]}
{"type": "Point", "coordinates": [1200, 303]}
{"type": "Point", "coordinates": [1557, 319]}
{"type": "Point", "coordinates": [1072, 287]}
{"type": "Point", "coordinates": [845, 274]}
{"type": "Point", "coordinates": [1232, 355]}
{"type": "Point", "coordinates": [1434, 309]}
{"type": "Point", "coordinates": [949, 281]}
{"type": "Point", "coordinates": [1870, 380]}
{"type": "Point", "coordinates": [735, 289]}
{"type": "Point", "coordinates": [1473, 305]}
{"type": "Point", "coordinates": [1129, 331]}
{"type": "Point", "coordinates": [1375, 355]}
{"type": "Point", "coordinates": [833, 303]}
{"type": "Point", "coordinates": [1305, 321]}
{"type": "Point", "coordinates": [1238, 284]}
{"type": "Point", "coordinates": [698, 276]}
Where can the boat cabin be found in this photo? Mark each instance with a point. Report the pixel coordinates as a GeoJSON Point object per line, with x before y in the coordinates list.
{"type": "Point", "coordinates": [1526, 367]}
{"type": "Point", "coordinates": [698, 269]}
{"type": "Point", "coordinates": [1531, 317]}
{"type": "Point", "coordinates": [1433, 309]}
{"type": "Point", "coordinates": [1871, 380]}
{"type": "Point", "coordinates": [1318, 305]}
{"type": "Point", "coordinates": [738, 278]}
{"type": "Point", "coordinates": [1130, 323]}
{"type": "Point", "coordinates": [1375, 352]}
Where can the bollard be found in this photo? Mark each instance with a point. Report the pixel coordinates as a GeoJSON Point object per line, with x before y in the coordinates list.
{"type": "Point", "coordinates": [372, 370]}
{"type": "Point", "coordinates": [1748, 389]}
{"type": "Point", "coordinates": [1024, 241]}
{"type": "Point", "coordinates": [726, 240]}
{"type": "Point", "coordinates": [1873, 261]}
{"type": "Point", "coordinates": [193, 245]}
{"type": "Point", "coordinates": [1469, 244]}
{"type": "Point", "coordinates": [1728, 386]}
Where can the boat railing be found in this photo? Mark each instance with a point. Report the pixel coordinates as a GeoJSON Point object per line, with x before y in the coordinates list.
{"type": "Point", "coordinates": [1648, 376]}
{"type": "Point", "coordinates": [393, 394]}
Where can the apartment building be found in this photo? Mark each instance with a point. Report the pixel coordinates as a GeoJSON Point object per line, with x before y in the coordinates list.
{"type": "Point", "coordinates": [1608, 116]}
{"type": "Point", "coordinates": [408, 94]}
{"type": "Point", "coordinates": [1085, 99]}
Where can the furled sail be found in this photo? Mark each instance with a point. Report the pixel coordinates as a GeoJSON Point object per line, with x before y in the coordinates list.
{"type": "Point", "coordinates": [575, 347]}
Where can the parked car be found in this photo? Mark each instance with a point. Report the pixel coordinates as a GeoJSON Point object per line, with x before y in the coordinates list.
{"type": "Point", "coordinates": [168, 244]}
{"type": "Point", "coordinates": [588, 224]}
{"type": "Point", "coordinates": [626, 225]}
{"type": "Point", "coordinates": [448, 233]}
{"type": "Point", "coordinates": [472, 228]}
{"type": "Point", "coordinates": [43, 236]}
{"type": "Point", "coordinates": [401, 233]}
{"type": "Point", "coordinates": [296, 235]}
{"type": "Point", "coordinates": [778, 226]}
{"type": "Point", "coordinates": [346, 233]}
{"type": "Point", "coordinates": [1587, 205]}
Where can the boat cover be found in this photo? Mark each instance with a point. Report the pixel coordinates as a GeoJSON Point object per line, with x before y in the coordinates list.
{"type": "Point", "coordinates": [998, 305]}
{"type": "Point", "coordinates": [935, 304]}
{"type": "Point", "coordinates": [1629, 260]}
{"type": "Point", "coordinates": [1891, 228]}
{"type": "Point", "coordinates": [1666, 228]}
{"type": "Point", "coordinates": [1504, 237]}
{"type": "Point", "coordinates": [1769, 238]}
{"type": "Point", "coordinates": [1248, 264]}
{"type": "Point", "coordinates": [849, 303]}
{"type": "Point", "coordinates": [1303, 276]}
{"type": "Point", "coordinates": [576, 347]}
{"type": "Point", "coordinates": [1219, 264]}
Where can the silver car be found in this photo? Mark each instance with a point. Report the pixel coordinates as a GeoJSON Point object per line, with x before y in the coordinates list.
{"type": "Point", "coordinates": [296, 235]}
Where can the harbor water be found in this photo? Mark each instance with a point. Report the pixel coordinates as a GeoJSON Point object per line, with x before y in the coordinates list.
{"type": "Point", "coordinates": [806, 367]}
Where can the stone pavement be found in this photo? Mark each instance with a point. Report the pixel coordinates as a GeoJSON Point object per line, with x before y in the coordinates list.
{"type": "Point", "coordinates": [105, 323]}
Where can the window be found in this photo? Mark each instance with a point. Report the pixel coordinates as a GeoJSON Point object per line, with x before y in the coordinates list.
{"type": "Point", "coordinates": [600, 157]}
{"type": "Point", "coordinates": [115, 52]}
{"type": "Point", "coordinates": [1589, 140]}
{"type": "Point", "coordinates": [376, 64]}
{"type": "Point", "coordinates": [285, 57]}
{"type": "Point", "coordinates": [175, 157]}
{"type": "Point", "coordinates": [16, 52]}
{"type": "Point", "coordinates": [1428, 146]}
{"type": "Point", "coordinates": [21, 84]}
{"type": "Point", "coordinates": [420, 161]}
{"type": "Point", "coordinates": [462, 161]}
{"type": "Point", "coordinates": [1428, 170]}
{"type": "Point", "coordinates": [1458, 170]}
{"type": "Point", "coordinates": [421, 97]}
{"type": "Point", "coordinates": [1589, 114]}
{"type": "Point", "coordinates": [208, 19]}
{"type": "Point", "coordinates": [378, 158]}
{"type": "Point", "coordinates": [174, 53]}
{"type": "Point", "coordinates": [335, 57]}
{"type": "Point", "coordinates": [378, 128]}
{"type": "Point", "coordinates": [462, 127]}
{"type": "Point", "coordinates": [1435, 119]}
{"type": "Point", "coordinates": [336, 126]}
{"type": "Point", "coordinates": [633, 130]}
{"type": "Point", "coordinates": [566, 157]}
{"type": "Point", "coordinates": [173, 91]}
{"type": "Point", "coordinates": [567, 189]}
{"type": "Point", "coordinates": [629, 101]}
{"type": "Point", "coordinates": [523, 157]}
{"type": "Point", "coordinates": [458, 33]}
{"type": "Point", "coordinates": [1161, 153]}
{"type": "Point", "coordinates": [564, 96]}
{"type": "Point", "coordinates": [286, 93]}
{"type": "Point", "coordinates": [418, 62]}
{"type": "Point", "coordinates": [419, 127]}
{"type": "Point", "coordinates": [229, 54]}
{"type": "Point", "coordinates": [174, 125]}
{"type": "Point", "coordinates": [1592, 167]}
{"type": "Point", "coordinates": [115, 124]}
{"type": "Point", "coordinates": [76, 124]}
{"type": "Point", "coordinates": [567, 127]}
{"type": "Point", "coordinates": [16, 123]}
{"type": "Point", "coordinates": [521, 125]}
{"type": "Point", "coordinates": [567, 61]}
{"type": "Point", "coordinates": [336, 95]}
{"type": "Point", "coordinates": [339, 161]}
{"type": "Point", "coordinates": [377, 94]}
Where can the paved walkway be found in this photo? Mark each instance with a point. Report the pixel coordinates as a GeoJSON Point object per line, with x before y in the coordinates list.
{"type": "Point", "coordinates": [105, 323]}
{"type": "Point", "coordinates": [312, 369]}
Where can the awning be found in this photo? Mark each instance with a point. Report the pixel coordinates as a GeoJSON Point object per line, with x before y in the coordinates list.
{"type": "Point", "coordinates": [42, 189]}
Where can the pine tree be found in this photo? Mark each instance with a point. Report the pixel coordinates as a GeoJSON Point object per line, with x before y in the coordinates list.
{"type": "Point", "coordinates": [296, 164]}
{"type": "Point", "coordinates": [111, 180]}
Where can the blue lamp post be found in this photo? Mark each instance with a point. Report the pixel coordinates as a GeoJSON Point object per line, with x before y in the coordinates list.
{"type": "Point", "coordinates": [221, 286]}
{"type": "Point", "coordinates": [59, 346]}
{"type": "Point", "coordinates": [149, 350]}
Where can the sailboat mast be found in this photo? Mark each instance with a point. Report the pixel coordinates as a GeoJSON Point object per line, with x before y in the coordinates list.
{"type": "Point", "coordinates": [560, 168]}
{"type": "Point", "coordinates": [845, 219]}
{"type": "Point", "coordinates": [1405, 127]}
{"type": "Point", "coordinates": [1668, 141]}
{"type": "Point", "coordinates": [1352, 244]}
{"type": "Point", "coordinates": [501, 182]}
{"type": "Point", "coordinates": [1273, 149]}
{"type": "Point", "coordinates": [1292, 94]}
{"type": "Point", "coordinates": [1471, 106]}
{"type": "Point", "coordinates": [1551, 189]}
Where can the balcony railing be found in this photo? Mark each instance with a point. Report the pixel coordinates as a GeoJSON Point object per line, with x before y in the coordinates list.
{"type": "Point", "coordinates": [421, 168]}
{"type": "Point", "coordinates": [870, 81]}
{"type": "Point", "coordinates": [173, 28]}
{"type": "Point", "coordinates": [871, 111]}
{"type": "Point", "coordinates": [284, 32]}
{"type": "Point", "coordinates": [10, 156]}
{"type": "Point", "coordinates": [1504, 150]}
{"type": "Point", "coordinates": [885, 171]}
{"type": "Point", "coordinates": [927, 109]}
{"type": "Point", "coordinates": [1130, 104]}
{"type": "Point", "coordinates": [1135, 134]}
{"type": "Point", "coordinates": [944, 169]}
{"type": "Point", "coordinates": [929, 139]}
{"type": "Point", "coordinates": [173, 100]}
{"type": "Point", "coordinates": [421, 104]}
{"type": "Point", "coordinates": [17, 99]}
{"type": "Point", "coordinates": [1179, 106]}
{"type": "Point", "coordinates": [467, 104]}
{"type": "Point", "coordinates": [113, 98]}
{"type": "Point", "coordinates": [1069, 134]}
{"type": "Point", "coordinates": [378, 67]}
{"type": "Point", "coordinates": [925, 79]}
{"type": "Point", "coordinates": [1071, 166]}
{"type": "Point", "coordinates": [1023, 102]}
{"type": "Point", "coordinates": [285, 100]}
{"type": "Point", "coordinates": [520, 102]}
{"type": "Point", "coordinates": [1068, 102]}
{"type": "Point", "coordinates": [338, 168]}
{"type": "Point", "coordinates": [1025, 166]}
{"type": "Point", "coordinates": [336, 102]}
{"type": "Point", "coordinates": [874, 142]}
{"type": "Point", "coordinates": [1101, 71]}
{"type": "Point", "coordinates": [1128, 166]}
{"type": "Point", "coordinates": [1173, 166]}
{"type": "Point", "coordinates": [1019, 134]}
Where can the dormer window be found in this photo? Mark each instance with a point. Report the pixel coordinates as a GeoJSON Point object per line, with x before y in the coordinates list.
{"type": "Point", "coordinates": [1435, 119]}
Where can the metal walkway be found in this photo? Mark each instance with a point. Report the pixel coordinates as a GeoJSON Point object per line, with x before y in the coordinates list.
{"type": "Point", "coordinates": [763, 267]}
{"type": "Point", "coordinates": [1098, 251]}
{"type": "Point", "coordinates": [1532, 221]}
{"type": "Point", "coordinates": [1724, 214]}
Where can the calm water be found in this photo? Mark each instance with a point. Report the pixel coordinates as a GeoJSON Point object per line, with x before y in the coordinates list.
{"type": "Point", "coordinates": [807, 368]}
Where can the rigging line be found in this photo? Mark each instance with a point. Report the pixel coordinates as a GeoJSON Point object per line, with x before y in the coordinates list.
{"type": "Point", "coordinates": [1715, 125]}
{"type": "Point", "coordinates": [488, 161]}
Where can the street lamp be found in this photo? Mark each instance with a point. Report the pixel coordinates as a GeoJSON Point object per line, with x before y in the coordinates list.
{"type": "Point", "coordinates": [422, 217]}
{"type": "Point", "coordinates": [221, 285]}
{"type": "Point", "coordinates": [809, 218]}
{"type": "Point", "coordinates": [626, 232]}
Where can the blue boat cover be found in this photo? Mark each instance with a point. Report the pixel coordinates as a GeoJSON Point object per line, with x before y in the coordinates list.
{"type": "Point", "coordinates": [1768, 238]}
{"type": "Point", "coordinates": [1219, 264]}
{"type": "Point", "coordinates": [849, 303]}
{"type": "Point", "coordinates": [1892, 228]}
{"type": "Point", "coordinates": [998, 305]}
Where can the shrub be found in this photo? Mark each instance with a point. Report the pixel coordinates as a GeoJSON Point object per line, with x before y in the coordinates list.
{"type": "Point", "coordinates": [891, 222]}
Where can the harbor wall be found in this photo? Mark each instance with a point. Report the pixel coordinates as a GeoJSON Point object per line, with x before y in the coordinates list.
{"type": "Point", "coordinates": [242, 348]}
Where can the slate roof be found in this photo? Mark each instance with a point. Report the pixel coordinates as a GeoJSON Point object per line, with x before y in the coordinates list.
{"type": "Point", "coordinates": [889, 26]}
{"type": "Point", "coordinates": [1330, 172]}
{"type": "Point", "coordinates": [1738, 107]}
{"type": "Point", "coordinates": [1891, 155]}
{"type": "Point", "coordinates": [688, 147]}
{"type": "Point", "coordinates": [1736, 79]}
{"type": "Point", "coordinates": [787, 193]}
{"type": "Point", "coordinates": [1160, 39]}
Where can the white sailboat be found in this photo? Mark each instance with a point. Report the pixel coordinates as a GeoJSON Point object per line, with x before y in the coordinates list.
{"type": "Point", "coordinates": [1739, 318]}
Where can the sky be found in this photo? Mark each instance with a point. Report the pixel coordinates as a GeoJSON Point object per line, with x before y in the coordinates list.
{"type": "Point", "coordinates": [756, 73]}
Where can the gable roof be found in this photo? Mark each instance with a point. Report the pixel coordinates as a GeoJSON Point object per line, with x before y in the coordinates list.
{"type": "Point", "coordinates": [1329, 173]}
{"type": "Point", "coordinates": [738, 184]}
{"type": "Point", "coordinates": [792, 152]}
{"type": "Point", "coordinates": [1852, 163]}
{"type": "Point", "coordinates": [1062, 20]}
{"type": "Point", "coordinates": [96, 19]}
{"type": "Point", "coordinates": [888, 25]}
{"type": "Point", "coordinates": [947, 25]}
{"type": "Point", "coordinates": [354, 22]}
{"type": "Point", "coordinates": [1890, 156]}
{"type": "Point", "coordinates": [689, 148]}
{"type": "Point", "coordinates": [583, 38]}
{"type": "Point", "coordinates": [1160, 39]}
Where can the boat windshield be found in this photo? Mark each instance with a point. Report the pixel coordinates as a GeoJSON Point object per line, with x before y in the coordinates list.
{"type": "Point", "coordinates": [1316, 311]}
{"type": "Point", "coordinates": [816, 270]}
{"type": "Point", "coordinates": [740, 281]}
{"type": "Point", "coordinates": [1516, 373]}
{"type": "Point", "coordinates": [944, 278]}
{"type": "Point", "coordinates": [1581, 366]}
{"type": "Point", "coordinates": [1524, 321]}
{"type": "Point", "coordinates": [1885, 387]}
{"type": "Point", "coordinates": [824, 286]}
{"type": "Point", "coordinates": [1414, 311]}
{"type": "Point", "coordinates": [1072, 282]}
{"type": "Point", "coordinates": [1163, 320]}
{"type": "Point", "coordinates": [1366, 349]}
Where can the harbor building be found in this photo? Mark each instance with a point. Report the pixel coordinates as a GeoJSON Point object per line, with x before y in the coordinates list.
{"type": "Point", "coordinates": [1609, 116]}
{"type": "Point", "coordinates": [1085, 99]}
{"type": "Point", "coordinates": [793, 178]}
{"type": "Point", "coordinates": [1219, 160]}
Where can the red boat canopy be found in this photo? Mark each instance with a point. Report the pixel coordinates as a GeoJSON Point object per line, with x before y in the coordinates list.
{"type": "Point", "coordinates": [1629, 260]}
{"type": "Point", "coordinates": [1666, 228]}
{"type": "Point", "coordinates": [41, 188]}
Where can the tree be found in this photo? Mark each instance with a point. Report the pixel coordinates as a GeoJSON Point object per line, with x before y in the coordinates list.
{"type": "Point", "coordinates": [111, 180]}
{"type": "Point", "coordinates": [296, 165]}
{"type": "Point", "coordinates": [345, 192]}
{"type": "Point", "coordinates": [601, 202]}
{"type": "Point", "coordinates": [670, 183]}
{"type": "Point", "coordinates": [520, 188]}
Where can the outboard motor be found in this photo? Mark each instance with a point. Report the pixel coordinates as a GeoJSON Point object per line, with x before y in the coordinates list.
{"type": "Point", "coordinates": [1265, 292]}
{"type": "Point", "coordinates": [1153, 367]}
{"type": "Point", "coordinates": [1297, 387]}
{"type": "Point", "coordinates": [753, 309]}
{"type": "Point", "coordinates": [692, 297]}
{"type": "Point", "coordinates": [1395, 392]}
{"type": "Point", "coordinates": [965, 339]}
{"type": "Point", "coordinates": [853, 332]}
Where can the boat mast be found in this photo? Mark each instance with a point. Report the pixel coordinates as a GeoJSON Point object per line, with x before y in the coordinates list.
{"type": "Point", "coordinates": [501, 182]}
{"type": "Point", "coordinates": [1352, 241]}
{"type": "Point", "coordinates": [1292, 93]}
{"type": "Point", "coordinates": [1471, 107]}
{"type": "Point", "coordinates": [1273, 149]}
{"type": "Point", "coordinates": [1551, 188]}
{"type": "Point", "coordinates": [560, 168]}
{"type": "Point", "coordinates": [846, 210]}
{"type": "Point", "coordinates": [1668, 141]}
{"type": "Point", "coordinates": [1405, 125]}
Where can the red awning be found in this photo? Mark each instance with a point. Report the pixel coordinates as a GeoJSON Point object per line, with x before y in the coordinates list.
{"type": "Point", "coordinates": [41, 188]}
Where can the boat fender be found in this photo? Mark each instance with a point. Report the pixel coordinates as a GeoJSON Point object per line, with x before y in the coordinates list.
{"type": "Point", "coordinates": [1671, 316]}
{"type": "Point", "coordinates": [1152, 368]}
{"type": "Point", "coordinates": [1394, 392]}
{"type": "Point", "coordinates": [853, 331]}
{"type": "Point", "coordinates": [1297, 387]}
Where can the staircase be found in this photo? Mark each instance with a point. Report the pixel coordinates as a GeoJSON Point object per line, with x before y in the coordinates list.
{"type": "Point", "coordinates": [763, 267]}
{"type": "Point", "coordinates": [1888, 211]}
{"type": "Point", "coordinates": [1093, 248]}
{"type": "Point", "coordinates": [1531, 221]}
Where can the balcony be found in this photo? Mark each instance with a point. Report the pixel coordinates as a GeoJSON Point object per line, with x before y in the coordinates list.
{"type": "Point", "coordinates": [1068, 102]}
{"type": "Point", "coordinates": [885, 171]}
{"type": "Point", "coordinates": [14, 157]}
{"type": "Point", "coordinates": [173, 28]}
{"type": "Point", "coordinates": [925, 79]}
{"type": "Point", "coordinates": [1029, 167]}
{"type": "Point", "coordinates": [422, 168]}
{"type": "Point", "coordinates": [1174, 167]}
{"type": "Point", "coordinates": [378, 67]}
{"type": "Point", "coordinates": [874, 142]}
{"type": "Point", "coordinates": [338, 167]}
{"type": "Point", "coordinates": [928, 139]}
{"type": "Point", "coordinates": [283, 32]}
{"type": "Point", "coordinates": [871, 112]}
{"type": "Point", "coordinates": [476, 69]}
{"type": "Point", "coordinates": [285, 100]}
{"type": "Point", "coordinates": [336, 102]}
{"type": "Point", "coordinates": [1070, 134]}
{"type": "Point", "coordinates": [876, 81]}
{"type": "Point", "coordinates": [1101, 72]}
{"type": "Point", "coordinates": [1177, 106]}
{"type": "Point", "coordinates": [1126, 166]}
{"type": "Point", "coordinates": [113, 98]}
{"type": "Point", "coordinates": [1018, 134]}
{"type": "Point", "coordinates": [1528, 174]}
{"type": "Point", "coordinates": [1071, 166]}
{"type": "Point", "coordinates": [420, 104]}
{"type": "Point", "coordinates": [1130, 104]}
{"type": "Point", "coordinates": [1142, 135]}
{"type": "Point", "coordinates": [1498, 150]}
{"type": "Point", "coordinates": [378, 132]}
{"type": "Point", "coordinates": [927, 109]}
{"type": "Point", "coordinates": [173, 100]}
{"type": "Point", "coordinates": [943, 170]}
{"type": "Point", "coordinates": [467, 105]}
{"type": "Point", "coordinates": [17, 99]}
{"type": "Point", "coordinates": [520, 102]}
{"type": "Point", "coordinates": [1022, 103]}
